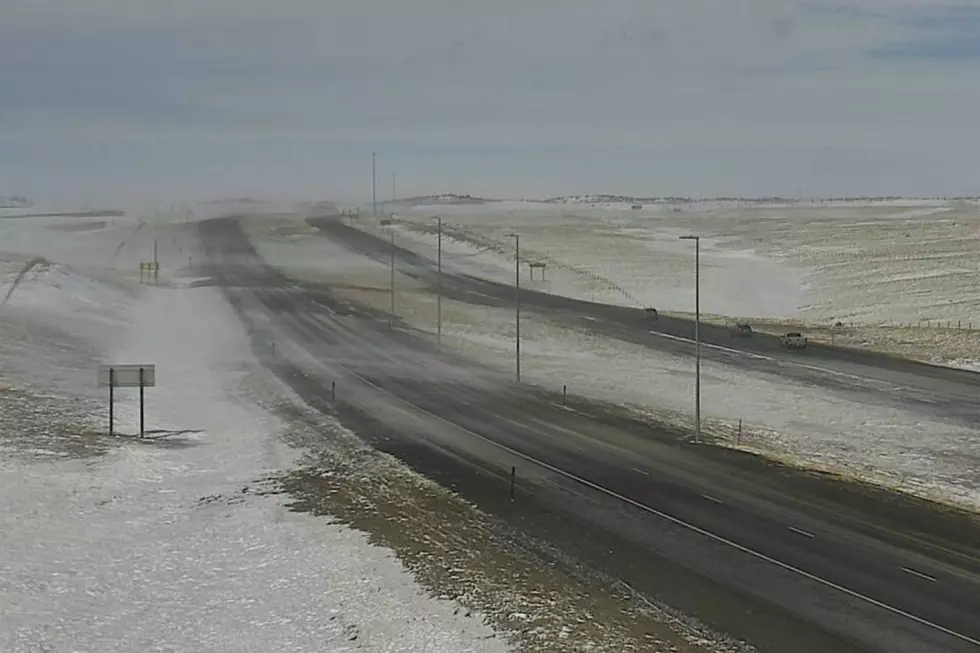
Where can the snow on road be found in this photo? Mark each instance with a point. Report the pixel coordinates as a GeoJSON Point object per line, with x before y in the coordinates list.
{"type": "Point", "coordinates": [169, 543]}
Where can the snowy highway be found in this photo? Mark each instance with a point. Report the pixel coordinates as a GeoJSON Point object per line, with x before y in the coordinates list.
{"type": "Point", "coordinates": [952, 394]}
{"type": "Point", "coordinates": [746, 551]}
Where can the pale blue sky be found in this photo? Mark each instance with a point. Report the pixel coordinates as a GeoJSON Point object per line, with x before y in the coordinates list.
{"type": "Point", "coordinates": [190, 99]}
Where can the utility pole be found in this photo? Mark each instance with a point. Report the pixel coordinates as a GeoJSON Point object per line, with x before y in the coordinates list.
{"type": "Point", "coordinates": [393, 187]}
{"type": "Point", "coordinates": [391, 317]}
{"type": "Point", "coordinates": [517, 303]}
{"type": "Point", "coordinates": [697, 335]}
{"type": "Point", "coordinates": [439, 282]}
{"type": "Point", "coordinates": [374, 184]}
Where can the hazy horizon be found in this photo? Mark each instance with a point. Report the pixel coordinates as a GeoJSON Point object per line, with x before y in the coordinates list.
{"type": "Point", "coordinates": [118, 103]}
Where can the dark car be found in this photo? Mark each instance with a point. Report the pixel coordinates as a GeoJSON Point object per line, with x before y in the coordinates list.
{"type": "Point", "coordinates": [650, 314]}
{"type": "Point", "coordinates": [741, 329]}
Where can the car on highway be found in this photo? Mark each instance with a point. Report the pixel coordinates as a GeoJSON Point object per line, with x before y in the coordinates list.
{"type": "Point", "coordinates": [792, 340]}
{"type": "Point", "coordinates": [650, 315]}
{"type": "Point", "coordinates": [740, 329]}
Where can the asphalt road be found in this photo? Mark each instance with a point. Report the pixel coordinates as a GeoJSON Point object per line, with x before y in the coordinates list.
{"type": "Point", "coordinates": [743, 551]}
{"type": "Point", "coordinates": [934, 391]}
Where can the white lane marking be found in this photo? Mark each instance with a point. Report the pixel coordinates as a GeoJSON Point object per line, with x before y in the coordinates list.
{"type": "Point", "coordinates": [640, 471]}
{"type": "Point", "coordinates": [800, 532]}
{"type": "Point", "coordinates": [711, 498]}
{"type": "Point", "coordinates": [696, 529]}
{"type": "Point", "coordinates": [919, 574]}
{"type": "Point", "coordinates": [741, 352]}
{"type": "Point", "coordinates": [679, 522]}
{"type": "Point", "coordinates": [749, 354]}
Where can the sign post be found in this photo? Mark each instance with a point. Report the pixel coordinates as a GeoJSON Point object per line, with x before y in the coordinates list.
{"type": "Point", "coordinates": [112, 386]}
{"type": "Point", "coordinates": [142, 387]}
{"type": "Point", "coordinates": [539, 265]}
{"type": "Point", "coordinates": [150, 268]}
{"type": "Point", "coordinates": [127, 376]}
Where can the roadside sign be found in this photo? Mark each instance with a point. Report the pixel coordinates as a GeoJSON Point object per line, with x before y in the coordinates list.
{"type": "Point", "coordinates": [385, 222]}
{"type": "Point", "coordinates": [127, 376]}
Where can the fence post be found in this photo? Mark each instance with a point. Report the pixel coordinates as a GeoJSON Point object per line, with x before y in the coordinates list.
{"type": "Point", "coordinates": [738, 438]}
{"type": "Point", "coordinates": [333, 391]}
{"type": "Point", "coordinates": [513, 474]}
{"type": "Point", "coordinates": [564, 394]}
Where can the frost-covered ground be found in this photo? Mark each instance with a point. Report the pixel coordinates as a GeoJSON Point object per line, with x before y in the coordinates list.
{"type": "Point", "coordinates": [875, 267]}
{"type": "Point", "coordinates": [171, 543]}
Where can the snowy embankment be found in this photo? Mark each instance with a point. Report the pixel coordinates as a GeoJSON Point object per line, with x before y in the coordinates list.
{"type": "Point", "coordinates": [173, 542]}
{"type": "Point", "coordinates": [789, 420]}
{"type": "Point", "coordinates": [897, 274]}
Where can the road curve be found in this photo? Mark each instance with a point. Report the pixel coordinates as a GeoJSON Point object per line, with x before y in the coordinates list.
{"type": "Point", "coordinates": [739, 550]}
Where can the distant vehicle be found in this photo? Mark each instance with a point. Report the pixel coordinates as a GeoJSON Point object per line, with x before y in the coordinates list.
{"type": "Point", "coordinates": [650, 315]}
{"type": "Point", "coordinates": [793, 340]}
{"type": "Point", "coordinates": [741, 329]}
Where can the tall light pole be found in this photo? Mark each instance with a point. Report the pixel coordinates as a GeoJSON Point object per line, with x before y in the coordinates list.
{"type": "Point", "coordinates": [374, 185]}
{"type": "Point", "coordinates": [391, 315]}
{"type": "Point", "coordinates": [439, 281]}
{"type": "Point", "coordinates": [697, 335]}
{"type": "Point", "coordinates": [517, 302]}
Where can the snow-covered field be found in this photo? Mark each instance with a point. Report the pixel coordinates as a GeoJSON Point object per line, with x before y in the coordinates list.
{"type": "Point", "coordinates": [857, 263]}
{"type": "Point", "coordinates": [907, 264]}
{"type": "Point", "coordinates": [170, 543]}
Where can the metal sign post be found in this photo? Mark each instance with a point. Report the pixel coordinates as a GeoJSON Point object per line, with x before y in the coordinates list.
{"type": "Point", "coordinates": [142, 387]}
{"type": "Point", "coordinates": [150, 267]}
{"type": "Point", "coordinates": [112, 386]}
{"type": "Point", "coordinates": [127, 376]}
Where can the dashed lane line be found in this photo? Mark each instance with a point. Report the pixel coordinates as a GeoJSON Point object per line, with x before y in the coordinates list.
{"type": "Point", "coordinates": [801, 532]}
{"type": "Point", "coordinates": [919, 574]}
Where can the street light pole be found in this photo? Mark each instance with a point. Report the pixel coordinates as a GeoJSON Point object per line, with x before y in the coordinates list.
{"type": "Point", "coordinates": [517, 303]}
{"type": "Point", "coordinates": [391, 315]}
{"type": "Point", "coordinates": [439, 282]}
{"type": "Point", "coordinates": [697, 335]}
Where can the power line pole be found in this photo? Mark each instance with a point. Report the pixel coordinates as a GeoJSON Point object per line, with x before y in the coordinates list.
{"type": "Point", "coordinates": [517, 304]}
{"type": "Point", "coordinates": [391, 317]}
{"type": "Point", "coordinates": [393, 187]}
{"type": "Point", "coordinates": [697, 335]}
{"type": "Point", "coordinates": [439, 284]}
{"type": "Point", "coordinates": [374, 185]}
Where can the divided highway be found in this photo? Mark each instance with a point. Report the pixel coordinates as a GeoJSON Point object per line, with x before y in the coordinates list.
{"type": "Point", "coordinates": [947, 393]}
{"type": "Point", "coordinates": [784, 572]}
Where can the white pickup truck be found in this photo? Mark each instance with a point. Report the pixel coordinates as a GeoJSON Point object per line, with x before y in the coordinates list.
{"type": "Point", "coordinates": [792, 340]}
